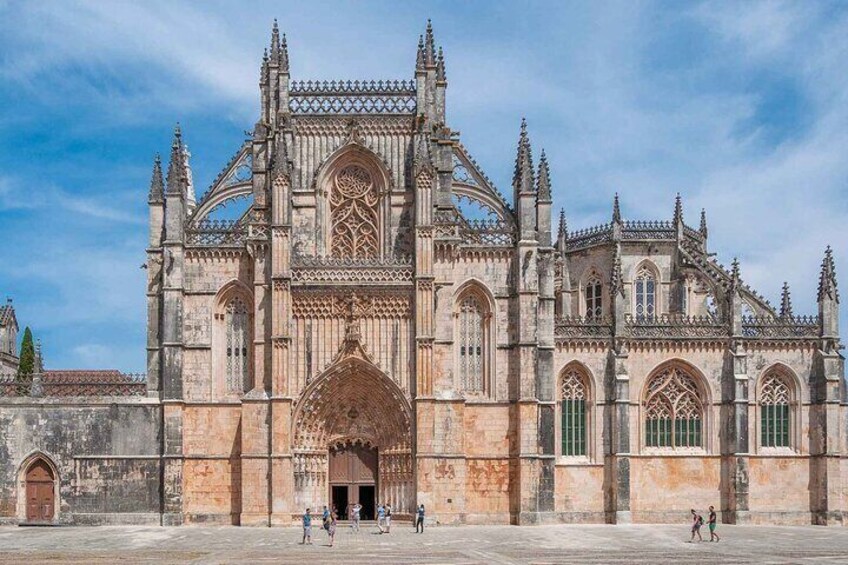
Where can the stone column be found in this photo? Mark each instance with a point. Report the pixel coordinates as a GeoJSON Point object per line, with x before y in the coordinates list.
{"type": "Point", "coordinates": [734, 436]}
{"type": "Point", "coordinates": [282, 470]}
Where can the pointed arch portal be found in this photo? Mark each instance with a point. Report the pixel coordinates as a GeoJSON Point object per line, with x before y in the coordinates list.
{"type": "Point", "coordinates": [39, 478]}
{"type": "Point", "coordinates": [353, 440]}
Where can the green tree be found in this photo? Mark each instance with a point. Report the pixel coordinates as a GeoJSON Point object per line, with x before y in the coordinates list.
{"type": "Point", "coordinates": [27, 358]}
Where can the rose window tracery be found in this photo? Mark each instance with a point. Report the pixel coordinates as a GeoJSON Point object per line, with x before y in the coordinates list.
{"type": "Point", "coordinates": [353, 213]}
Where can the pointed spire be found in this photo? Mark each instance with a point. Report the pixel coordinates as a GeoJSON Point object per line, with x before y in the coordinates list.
{"type": "Point", "coordinates": [440, 67]}
{"type": "Point", "coordinates": [176, 168]}
{"type": "Point", "coordinates": [734, 274]}
{"type": "Point", "coordinates": [785, 302]}
{"type": "Point", "coordinates": [157, 182]}
{"type": "Point", "coordinates": [543, 182]}
{"type": "Point", "coordinates": [562, 233]}
{"type": "Point", "coordinates": [616, 210]}
{"type": "Point", "coordinates": [430, 46]}
{"type": "Point", "coordinates": [284, 55]}
{"type": "Point", "coordinates": [419, 58]}
{"type": "Point", "coordinates": [522, 179]}
{"type": "Point", "coordinates": [827, 278]}
{"type": "Point", "coordinates": [275, 44]}
{"type": "Point", "coordinates": [264, 71]}
{"type": "Point", "coordinates": [678, 209]}
{"type": "Point", "coordinates": [38, 363]}
{"type": "Point", "coordinates": [703, 228]}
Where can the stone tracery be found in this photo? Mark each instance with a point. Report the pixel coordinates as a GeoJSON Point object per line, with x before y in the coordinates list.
{"type": "Point", "coordinates": [674, 410]}
{"type": "Point", "coordinates": [353, 210]}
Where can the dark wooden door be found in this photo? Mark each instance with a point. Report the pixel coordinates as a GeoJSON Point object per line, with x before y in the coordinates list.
{"type": "Point", "coordinates": [353, 470]}
{"type": "Point", "coordinates": [40, 488]}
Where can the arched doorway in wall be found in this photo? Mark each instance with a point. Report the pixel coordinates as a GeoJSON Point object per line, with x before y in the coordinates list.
{"type": "Point", "coordinates": [353, 441]}
{"type": "Point", "coordinates": [353, 478]}
{"type": "Point", "coordinates": [40, 485]}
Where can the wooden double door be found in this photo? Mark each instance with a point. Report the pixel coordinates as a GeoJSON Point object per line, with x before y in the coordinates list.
{"type": "Point", "coordinates": [40, 493]}
{"type": "Point", "coordinates": [353, 479]}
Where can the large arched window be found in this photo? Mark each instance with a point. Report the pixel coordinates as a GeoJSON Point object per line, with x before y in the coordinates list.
{"type": "Point", "coordinates": [593, 297]}
{"type": "Point", "coordinates": [237, 325]}
{"type": "Point", "coordinates": [354, 223]}
{"type": "Point", "coordinates": [573, 412]}
{"type": "Point", "coordinates": [776, 401]}
{"type": "Point", "coordinates": [473, 341]}
{"type": "Point", "coordinates": [645, 294]}
{"type": "Point", "coordinates": [674, 410]}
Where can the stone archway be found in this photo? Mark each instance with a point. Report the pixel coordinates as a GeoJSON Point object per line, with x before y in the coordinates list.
{"type": "Point", "coordinates": [353, 403]}
{"type": "Point", "coordinates": [38, 495]}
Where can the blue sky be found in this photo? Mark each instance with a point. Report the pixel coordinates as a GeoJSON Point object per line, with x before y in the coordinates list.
{"type": "Point", "coordinates": [741, 107]}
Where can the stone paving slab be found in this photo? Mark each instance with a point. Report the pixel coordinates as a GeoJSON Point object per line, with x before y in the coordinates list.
{"type": "Point", "coordinates": [461, 545]}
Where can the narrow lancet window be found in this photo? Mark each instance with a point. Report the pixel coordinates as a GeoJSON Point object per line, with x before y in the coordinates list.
{"type": "Point", "coordinates": [573, 416]}
{"type": "Point", "coordinates": [237, 320]}
{"type": "Point", "coordinates": [593, 296]}
{"type": "Point", "coordinates": [775, 404]}
{"type": "Point", "coordinates": [645, 294]}
{"type": "Point", "coordinates": [471, 344]}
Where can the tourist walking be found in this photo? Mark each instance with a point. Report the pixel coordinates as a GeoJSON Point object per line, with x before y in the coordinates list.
{"type": "Point", "coordinates": [388, 518]}
{"type": "Point", "coordinates": [381, 517]}
{"type": "Point", "coordinates": [357, 513]}
{"type": "Point", "coordinates": [697, 522]}
{"type": "Point", "coordinates": [712, 521]}
{"type": "Point", "coordinates": [307, 528]}
{"type": "Point", "coordinates": [419, 520]}
{"type": "Point", "coordinates": [325, 520]}
{"type": "Point", "coordinates": [331, 528]}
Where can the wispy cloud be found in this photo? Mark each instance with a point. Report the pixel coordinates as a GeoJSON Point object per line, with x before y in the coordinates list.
{"type": "Point", "coordinates": [22, 194]}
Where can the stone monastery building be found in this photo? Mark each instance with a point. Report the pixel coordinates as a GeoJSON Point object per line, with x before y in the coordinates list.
{"type": "Point", "coordinates": [381, 324]}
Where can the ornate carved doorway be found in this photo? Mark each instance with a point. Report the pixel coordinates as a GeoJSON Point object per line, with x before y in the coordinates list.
{"type": "Point", "coordinates": [40, 492]}
{"type": "Point", "coordinates": [353, 441]}
{"type": "Point", "coordinates": [353, 478]}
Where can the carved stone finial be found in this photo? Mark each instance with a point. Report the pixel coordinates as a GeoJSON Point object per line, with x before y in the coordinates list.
{"type": "Point", "coordinates": [703, 228]}
{"type": "Point", "coordinates": [616, 277]}
{"type": "Point", "coordinates": [430, 46]}
{"type": "Point", "coordinates": [734, 274]}
{"type": "Point", "coordinates": [419, 58]}
{"type": "Point", "coordinates": [157, 182]}
{"type": "Point", "coordinates": [440, 67]}
{"type": "Point", "coordinates": [616, 210]}
{"type": "Point", "coordinates": [543, 182]}
{"type": "Point", "coordinates": [785, 302]}
{"type": "Point", "coordinates": [678, 209]}
{"type": "Point", "coordinates": [38, 362]}
{"type": "Point", "coordinates": [284, 55]}
{"type": "Point", "coordinates": [275, 44]}
{"type": "Point", "coordinates": [562, 234]}
{"type": "Point", "coordinates": [522, 179]}
{"type": "Point", "coordinates": [176, 167]}
{"type": "Point", "coordinates": [827, 278]}
{"type": "Point", "coordinates": [264, 71]}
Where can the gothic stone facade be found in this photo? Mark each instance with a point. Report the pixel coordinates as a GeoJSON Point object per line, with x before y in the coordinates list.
{"type": "Point", "coordinates": [381, 324]}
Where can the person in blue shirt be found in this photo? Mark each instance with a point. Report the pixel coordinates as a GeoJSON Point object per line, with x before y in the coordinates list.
{"type": "Point", "coordinates": [381, 517]}
{"type": "Point", "coordinates": [419, 521]}
{"type": "Point", "coordinates": [307, 528]}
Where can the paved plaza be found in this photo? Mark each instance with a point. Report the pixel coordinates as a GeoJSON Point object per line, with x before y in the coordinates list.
{"type": "Point", "coordinates": [467, 544]}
